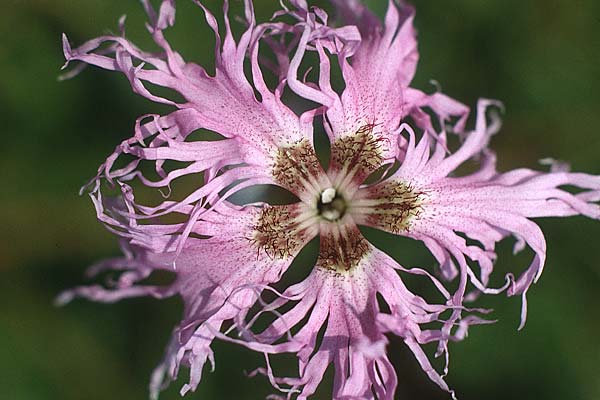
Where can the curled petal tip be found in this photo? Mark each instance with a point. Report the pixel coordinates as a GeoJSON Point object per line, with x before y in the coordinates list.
{"type": "Point", "coordinates": [67, 51]}
{"type": "Point", "coordinates": [122, 20]}
{"type": "Point", "coordinates": [63, 298]}
{"type": "Point", "coordinates": [496, 103]}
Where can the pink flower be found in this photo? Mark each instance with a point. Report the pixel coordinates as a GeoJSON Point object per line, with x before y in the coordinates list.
{"type": "Point", "coordinates": [225, 256]}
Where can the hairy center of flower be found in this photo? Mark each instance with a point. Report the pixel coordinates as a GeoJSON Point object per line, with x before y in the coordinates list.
{"type": "Point", "coordinates": [326, 199]}
{"type": "Point", "coordinates": [354, 157]}
{"type": "Point", "coordinates": [279, 231]}
{"type": "Point", "coordinates": [342, 248]}
{"type": "Point", "coordinates": [297, 168]}
{"type": "Point", "coordinates": [331, 205]}
{"type": "Point", "coordinates": [390, 206]}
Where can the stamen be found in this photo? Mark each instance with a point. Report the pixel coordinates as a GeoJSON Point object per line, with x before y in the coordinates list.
{"type": "Point", "coordinates": [328, 195]}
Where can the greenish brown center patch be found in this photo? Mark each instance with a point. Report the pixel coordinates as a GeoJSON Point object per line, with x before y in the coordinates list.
{"type": "Point", "coordinates": [393, 205]}
{"type": "Point", "coordinates": [276, 232]}
{"type": "Point", "coordinates": [343, 249]}
{"type": "Point", "coordinates": [360, 152]}
{"type": "Point", "coordinates": [296, 165]}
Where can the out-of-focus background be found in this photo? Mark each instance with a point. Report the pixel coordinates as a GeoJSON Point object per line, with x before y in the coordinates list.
{"type": "Point", "coordinates": [541, 57]}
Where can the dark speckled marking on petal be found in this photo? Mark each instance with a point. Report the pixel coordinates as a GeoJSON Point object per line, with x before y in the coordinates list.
{"type": "Point", "coordinates": [342, 248]}
{"type": "Point", "coordinates": [394, 205]}
{"type": "Point", "coordinates": [276, 231]}
{"type": "Point", "coordinates": [297, 165]}
{"type": "Point", "coordinates": [361, 151]}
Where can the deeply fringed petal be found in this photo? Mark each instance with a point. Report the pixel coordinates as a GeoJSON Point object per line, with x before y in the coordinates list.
{"type": "Point", "coordinates": [224, 103]}
{"type": "Point", "coordinates": [377, 72]}
{"type": "Point", "coordinates": [345, 304]}
{"type": "Point", "coordinates": [346, 308]}
{"type": "Point", "coordinates": [253, 130]}
{"type": "Point", "coordinates": [219, 279]}
{"type": "Point", "coordinates": [134, 267]}
{"type": "Point", "coordinates": [381, 70]}
{"type": "Point", "coordinates": [486, 205]}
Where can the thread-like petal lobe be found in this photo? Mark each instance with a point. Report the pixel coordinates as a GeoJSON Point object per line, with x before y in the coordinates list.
{"type": "Point", "coordinates": [219, 279]}
{"type": "Point", "coordinates": [486, 206]}
{"type": "Point", "coordinates": [345, 305]}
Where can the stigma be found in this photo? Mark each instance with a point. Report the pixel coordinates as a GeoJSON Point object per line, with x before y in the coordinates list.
{"type": "Point", "coordinates": [331, 206]}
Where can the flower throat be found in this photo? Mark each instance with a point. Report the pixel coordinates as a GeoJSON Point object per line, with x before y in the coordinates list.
{"type": "Point", "coordinates": [331, 205]}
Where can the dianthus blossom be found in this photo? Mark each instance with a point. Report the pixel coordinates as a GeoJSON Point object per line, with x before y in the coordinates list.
{"type": "Point", "coordinates": [227, 257]}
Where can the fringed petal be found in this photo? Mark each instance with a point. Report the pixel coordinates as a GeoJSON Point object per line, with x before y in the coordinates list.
{"type": "Point", "coordinates": [219, 278]}
{"type": "Point", "coordinates": [254, 130]}
{"type": "Point", "coordinates": [377, 71]}
{"type": "Point", "coordinates": [225, 103]}
{"type": "Point", "coordinates": [345, 305]}
{"type": "Point", "coordinates": [486, 206]}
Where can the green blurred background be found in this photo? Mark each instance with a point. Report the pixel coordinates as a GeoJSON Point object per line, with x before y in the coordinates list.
{"type": "Point", "coordinates": [541, 57]}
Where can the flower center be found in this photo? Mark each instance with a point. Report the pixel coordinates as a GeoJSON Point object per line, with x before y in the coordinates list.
{"type": "Point", "coordinates": [331, 205]}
